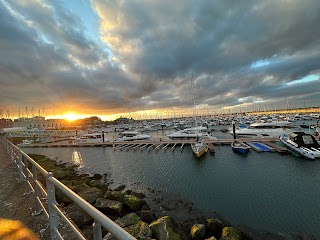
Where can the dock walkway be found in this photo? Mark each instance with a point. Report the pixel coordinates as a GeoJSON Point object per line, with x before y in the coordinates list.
{"type": "Point", "coordinates": [15, 203]}
{"type": "Point", "coordinates": [115, 144]}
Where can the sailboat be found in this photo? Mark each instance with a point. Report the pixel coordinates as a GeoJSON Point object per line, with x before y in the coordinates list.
{"type": "Point", "coordinates": [198, 147]}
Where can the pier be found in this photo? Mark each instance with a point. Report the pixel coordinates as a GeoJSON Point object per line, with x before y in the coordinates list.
{"type": "Point", "coordinates": [141, 143]}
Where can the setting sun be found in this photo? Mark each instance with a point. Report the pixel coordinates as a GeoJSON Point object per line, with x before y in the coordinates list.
{"type": "Point", "coordinates": [70, 116]}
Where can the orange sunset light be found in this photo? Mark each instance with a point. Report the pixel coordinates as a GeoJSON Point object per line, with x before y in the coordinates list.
{"type": "Point", "coordinates": [70, 116]}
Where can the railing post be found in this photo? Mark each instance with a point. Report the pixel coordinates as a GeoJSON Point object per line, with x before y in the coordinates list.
{"type": "Point", "coordinates": [38, 209]}
{"type": "Point", "coordinates": [53, 215]}
{"type": "Point", "coordinates": [97, 232]}
{"type": "Point", "coordinates": [20, 168]}
{"type": "Point", "coordinates": [11, 151]}
{"type": "Point", "coordinates": [26, 173]}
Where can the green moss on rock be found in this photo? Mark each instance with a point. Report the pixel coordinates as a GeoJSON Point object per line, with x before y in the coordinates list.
{"type": "Point", "coordinates": [90, 194]}
{"type": "Point", "coordinates": [163, 229]}
{"type": "Point", "coordinates": [127, 220]}
{"type": "Point", "coordinates": [133, 202]}
{"type": "Point", "coordinates": [230, 233]}
{"type": "Point", "coordinates": [114, 195]}
{"type": "Point", "coordinates": [140, 230]}
{"type": "Point", "coordinates": [198, 231]}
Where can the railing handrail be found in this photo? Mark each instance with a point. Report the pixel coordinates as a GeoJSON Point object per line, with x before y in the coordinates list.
{"type": "Point", "coordinates": [98, 216]}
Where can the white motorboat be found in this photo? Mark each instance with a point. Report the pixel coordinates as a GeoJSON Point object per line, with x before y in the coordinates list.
{"type": "Point", "coordinates": [191, 133]}
{"type": "Point", "coordinates": [303, 144]}
{"type": "Point", "coordinates": [92, 138]}
{"type": "Point", "coordinates": [25, 142]}
{"type": "Point", "coordinates": [132, 136]}
{"type": "Point", "coordinates": [266, 129]}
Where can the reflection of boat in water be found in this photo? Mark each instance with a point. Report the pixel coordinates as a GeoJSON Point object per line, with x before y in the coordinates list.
{"type": "Point", "coordinates": [267, 129]}
{"type": "Point", "coordinates": [131, 136]}
{"type": "Point", "coordinates": [191, 133]}
{"type": "Point", "coordinates": [240, 147]}
{"type": "Point", "coordinates": [303, 144]}
{"type": "Point", "coordinates": [92, 138]}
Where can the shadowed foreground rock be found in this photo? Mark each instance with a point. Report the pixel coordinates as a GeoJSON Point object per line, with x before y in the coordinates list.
{"type": "Point", "coordinates": [163, 229]}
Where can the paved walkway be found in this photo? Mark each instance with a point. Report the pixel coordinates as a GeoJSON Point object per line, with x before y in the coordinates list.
{"type": "Point", "coordinates": [15, 204]}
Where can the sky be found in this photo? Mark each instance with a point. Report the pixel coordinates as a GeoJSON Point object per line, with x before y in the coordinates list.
{"type": "Point", "coordinates": [113, 58]}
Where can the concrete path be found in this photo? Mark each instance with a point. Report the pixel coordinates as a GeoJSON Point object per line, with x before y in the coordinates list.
{"type": "Point", "coordinates": [15, 204]}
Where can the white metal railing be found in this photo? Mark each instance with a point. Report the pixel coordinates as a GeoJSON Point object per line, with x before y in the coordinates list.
{"type": "Point", "coordinates": [28, 171]}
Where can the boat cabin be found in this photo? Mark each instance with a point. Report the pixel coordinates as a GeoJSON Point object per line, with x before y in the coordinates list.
{"type": "Point", "coordinates": [304, 139]}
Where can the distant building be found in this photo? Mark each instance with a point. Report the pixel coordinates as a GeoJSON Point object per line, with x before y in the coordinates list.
{"type": "Point", "coordinates": [5, 123]}
{"type": "Point", "coordinates": [122, 120]}
{"type": "Point", "coordinates": [40, 123]}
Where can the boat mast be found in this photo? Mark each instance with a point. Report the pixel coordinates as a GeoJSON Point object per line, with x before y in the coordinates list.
{"type": "Point", "coordinates": [194, 102]}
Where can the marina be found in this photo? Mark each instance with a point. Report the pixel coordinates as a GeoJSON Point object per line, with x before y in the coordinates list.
{"type": "Point", "coordinates": [269, 179]}
{"type": "Point", "coordinates": [218, 181]}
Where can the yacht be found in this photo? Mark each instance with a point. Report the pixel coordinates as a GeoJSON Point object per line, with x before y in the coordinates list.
{"type": "Point", "coordinates": [92, 138]}
{"type": "Point", "coordinates": [304, 144]}
{"type": "Point", "coordinates": [131, 136]}
{"type": "Point", "coordinates": [191, 133]}
{"type": "Point", "coordinates": [266, 129]}
{"type": "Point", "coordinates": [199, 148]}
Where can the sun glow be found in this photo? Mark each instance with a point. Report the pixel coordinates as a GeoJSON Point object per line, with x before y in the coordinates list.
{"type": "Point", "coordinates": [70, 116]}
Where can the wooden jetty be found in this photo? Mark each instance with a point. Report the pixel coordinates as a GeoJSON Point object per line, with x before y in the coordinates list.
{"type": "Point", "coordinates": [124, 145]}
{"type": "Point", "coordinates": [278, 148]}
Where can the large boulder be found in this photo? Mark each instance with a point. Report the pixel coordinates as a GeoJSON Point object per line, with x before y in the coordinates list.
{"type": "Point", "coordinates": [163, 229]}
{"type": "Point", "coordinates": [127, 220]}
{"type": "Point", "coordinates": [140, 230]}
{"type": "Point", "coordinates": [198, 231]}
{"type": "Point", "coordinates": [114, 195]}
{"type": "Point", "coordinates": [60, 174]}
{"type": "Point", "coordinates": [230, 233]}
{"type": "Point", "coordinates": [109, 207]}
{"type": "Point", "coordinates": [46, 163]}
{"type": "Point", "coordinates": [133, 202]}
{"type": "Point", "coordinates": [78, 216]}
{"type": "Point", "coordinates": [94, 183]}
{"type": "Point", "coordinates": [147, 216]}
{"type": "Point", "coordinates": [62, 198]}
{"type": "Point", "coordinates": [214, 227]}
{"type": "Point", "coordinates": [90, 194]}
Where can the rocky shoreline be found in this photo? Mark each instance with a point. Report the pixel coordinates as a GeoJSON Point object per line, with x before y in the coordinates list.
{"type": "Point", "coordinates": [146, 214]}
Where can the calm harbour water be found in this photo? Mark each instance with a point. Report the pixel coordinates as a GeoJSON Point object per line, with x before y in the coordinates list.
{"type": "Point", "coordinates": [265, 191]}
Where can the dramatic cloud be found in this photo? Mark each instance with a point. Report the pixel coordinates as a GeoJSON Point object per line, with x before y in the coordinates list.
{"type": "Point", "coordinates": [122, 56]}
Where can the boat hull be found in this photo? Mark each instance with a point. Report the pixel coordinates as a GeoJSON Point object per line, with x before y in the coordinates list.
{"type": "Point", "coordinates": [240, 147]}
{"type": "Point", "coordinates": [296, 149]}
{"type": "Point", "coordinates": [198, 150]}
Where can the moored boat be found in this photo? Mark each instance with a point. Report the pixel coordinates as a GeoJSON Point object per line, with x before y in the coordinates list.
{"type": "Point", "coordinates": [191, 133]}
{"type": "Point", "coordinates": [240, 147]}
{"type": "Point", "coordinates": [132, 135]}
{"type": "Point", "coordinates": [92, 138]}
{"type": "Point", "coordinates": [199, 148]}
{"type": "Point", "coordinates": [303, 144]}
{"type": "Point", "coordinates": [266, 129]}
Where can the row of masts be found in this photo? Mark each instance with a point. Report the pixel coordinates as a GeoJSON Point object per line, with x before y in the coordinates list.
{"type": "Point", "coordinates": [28, 113]}
{"type": "Point", "coordinates": [173, 112]}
